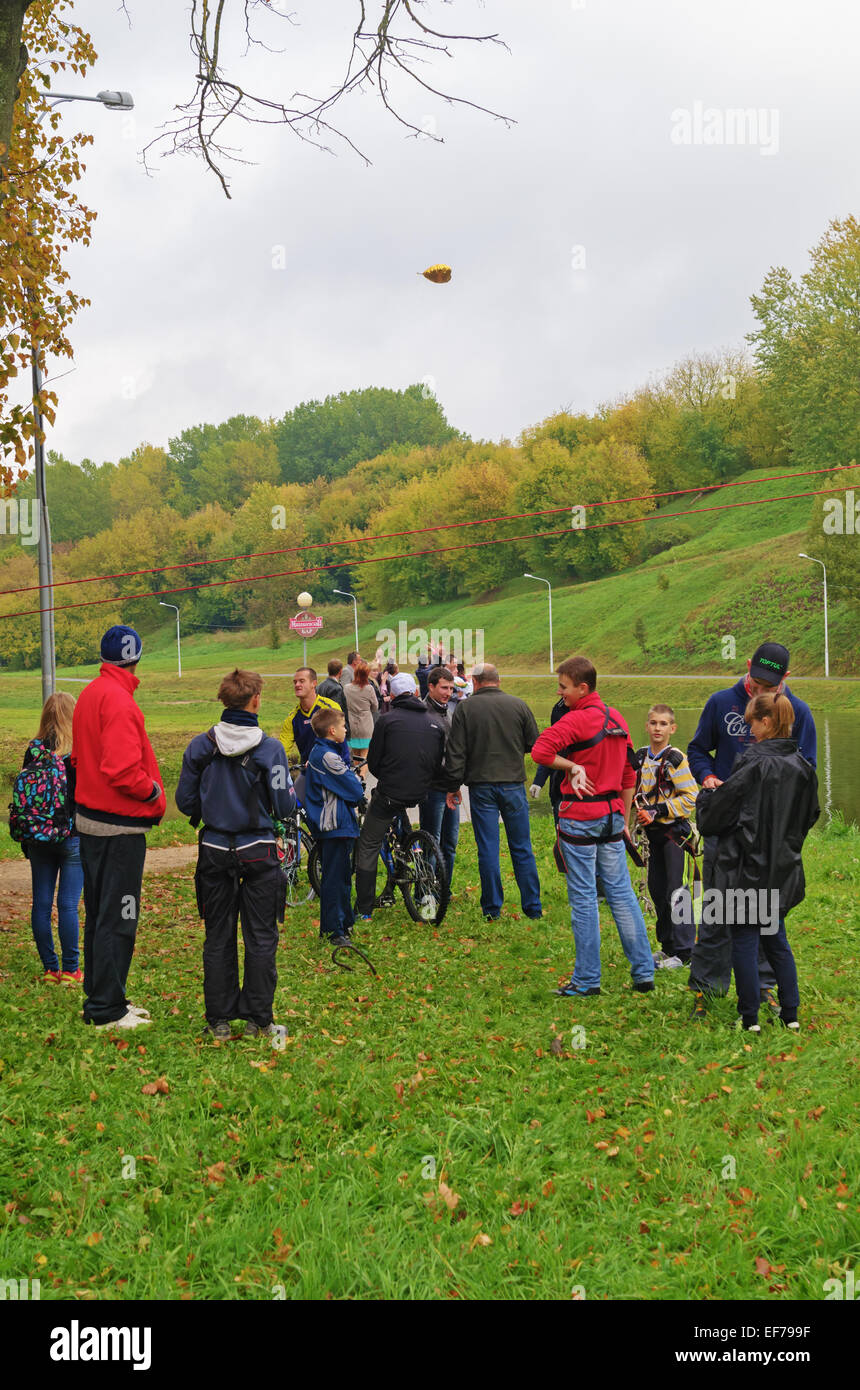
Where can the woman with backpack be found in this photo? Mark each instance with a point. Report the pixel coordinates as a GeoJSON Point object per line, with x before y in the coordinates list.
{"type": "Point", "coordinates": [42, 820]}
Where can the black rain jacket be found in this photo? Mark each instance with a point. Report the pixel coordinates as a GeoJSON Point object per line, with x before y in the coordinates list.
{"type": "Point", "coordinates": [762, 814]}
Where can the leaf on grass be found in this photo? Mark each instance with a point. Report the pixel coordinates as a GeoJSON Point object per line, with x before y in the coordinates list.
{"type": "Point", "coordinates": [93, 1238]}
{"type": "Point", "coordinates": [602, 1144]}
{"type": "Point", "coordinates": [480, 1239]}
{"type": "Point", "coordinates": [816, 1113]}
{"type": "Point", "coordinates": [150, 1088]}
{"type": "Point", "coordinates": [548, 1188]}
{"type": "Point", "coordinates": [644, 1228]}
{"type": "Point", "coordinates": [217, 1173]}
{"type": "Point", "coordinates": [399, 1090]}
{"type": "Point", "coordinates": [519, 1208]}
{"type": "Point", "coordinates": [448, 1197]}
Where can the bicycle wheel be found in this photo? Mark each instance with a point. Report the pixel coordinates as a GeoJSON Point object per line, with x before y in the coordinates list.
{"type": "Point", "coordinates": [384, 880]}
{"type": "Point", "coordinates": [296, 869]}
{"type": "Point", "coordinates": [425, 883]}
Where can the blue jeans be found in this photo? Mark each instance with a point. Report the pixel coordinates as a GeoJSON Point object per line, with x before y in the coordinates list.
{"type": "Point", "coordinates": [46, 862]}
{"type": "Point", "coordinates": [488, 801]}
{"type": "Point", "coordinates": [442, 823]}
{"type": "Point", "coordinates": [746, 943]}
{"type": "Point", "coordinates": [610, 861]}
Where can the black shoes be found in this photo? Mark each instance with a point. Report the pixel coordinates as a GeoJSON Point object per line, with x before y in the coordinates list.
{"type": "Point", "coordinates": [569, 991]}
{"type": "Point", "coordinates": [643, 986]}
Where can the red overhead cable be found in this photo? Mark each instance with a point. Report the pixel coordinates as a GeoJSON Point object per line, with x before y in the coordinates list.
{"type": "Point", "coordinates": [415, 554]}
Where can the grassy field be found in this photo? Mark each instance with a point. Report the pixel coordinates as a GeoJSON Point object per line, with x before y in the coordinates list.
{"type": "Point", "coordinates": [442, 1132]}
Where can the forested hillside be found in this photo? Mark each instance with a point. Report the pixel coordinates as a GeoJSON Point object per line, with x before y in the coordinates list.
{"type": "Point", "coordinates": [378, 462]}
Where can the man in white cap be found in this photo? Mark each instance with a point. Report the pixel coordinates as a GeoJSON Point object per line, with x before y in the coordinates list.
{"type": "Point", "coordinates": [405, 757]}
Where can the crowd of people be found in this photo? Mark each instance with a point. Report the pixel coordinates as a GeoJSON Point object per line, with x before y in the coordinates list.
{"type": "Point", "coordinates": [90, 788]}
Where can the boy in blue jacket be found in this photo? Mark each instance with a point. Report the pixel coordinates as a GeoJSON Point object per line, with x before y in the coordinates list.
{"type": "Point", "coordinates": [332, 791]}
{"type": "Point", "coordinates": [236, 780]}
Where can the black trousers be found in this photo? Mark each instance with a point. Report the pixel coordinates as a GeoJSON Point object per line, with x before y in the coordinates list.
{"type": "Point", "coordinates": [113, 874]}
{"type": "Point", "coordinates": [711, 963]}
{"type": "Point", "coordinates": [250, 886]}
{"type": "Point", "coordinates": [665, 876]}
{"type": "Point", "coordinates": [379, 816]}
{"type": "Point", "coordinates": [336, 915]}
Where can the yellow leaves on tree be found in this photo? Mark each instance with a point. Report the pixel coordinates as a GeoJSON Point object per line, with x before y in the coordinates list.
{"type": "Point", "coordinates": [39, 217]}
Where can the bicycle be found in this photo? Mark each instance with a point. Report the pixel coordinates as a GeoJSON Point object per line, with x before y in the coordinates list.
{"type": "Point", "coordinates": [410, 860]}
{"type": "Point", "coordinates": [296, 841]}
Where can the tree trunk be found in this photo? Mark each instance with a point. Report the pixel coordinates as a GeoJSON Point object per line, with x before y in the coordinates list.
{"type": "Point", "coordinates": [13, 60]}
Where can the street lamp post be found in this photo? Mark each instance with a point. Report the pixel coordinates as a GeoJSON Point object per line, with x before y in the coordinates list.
{"type": "Point", "coordinates": [304, 601]}
{"type": "Point", "coordinates": [344, 594]}
{"type": "Point", "coordinates": [116, 101]}
{"type": "Point", "coordinates": [549, 595]}
{"type": "Point", "coordinates": [178, 647]}
{"type": "Point", "coordinates": [803, 556]}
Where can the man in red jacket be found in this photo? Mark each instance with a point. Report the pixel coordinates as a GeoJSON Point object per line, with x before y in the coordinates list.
{"type": "Point", "coordinates": [597, 793]}
{"type": "Point", "coordinates": [118, 797]}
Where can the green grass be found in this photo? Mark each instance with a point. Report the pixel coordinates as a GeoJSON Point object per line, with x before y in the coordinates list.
{"type": "Point", "coordinates": [598, 1168]}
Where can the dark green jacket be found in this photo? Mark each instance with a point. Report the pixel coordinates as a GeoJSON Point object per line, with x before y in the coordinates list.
{"type": "Point", "coordinates": [491, 733]}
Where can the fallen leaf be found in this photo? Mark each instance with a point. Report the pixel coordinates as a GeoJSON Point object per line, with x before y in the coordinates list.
{"type": "Point", "coordinates": [644, 1228]}
{"type": "Point", "coordinates": [93, 1238]}
{"type": "Point", "coordinates": [217, 1173]}
{"type": "Point", "coordinates": [549, 1187]}
{"type": "Point", "coordinates": [150, 1088]}
{"type": "Point", "coordinates": [480, 1239]}
{"type": "Point", "coordinates": [399, 1089]}
{"type": "Point", "coordinates": [556, 1047]}
{"type": "Point", "coordinates": [816, 1113]}
{"type": "Point", "coordinates": [519, 1208]}
{"type": "Point", "coordinates": [448, 1197]}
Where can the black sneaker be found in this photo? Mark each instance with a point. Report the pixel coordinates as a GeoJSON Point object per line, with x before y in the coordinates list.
{"type": "Point", "coordinates": [643, 986]}
{"type": "Point", "coordinates": [219, 1030]}
{"type": "Point", "coordinates": [488, 918]}
{"type": "Point", "coordinates": [336, 941]}
{"type": "Point", "coordinates": [768, 997]}
{"type": "Point", "coordinates": [569, 991]}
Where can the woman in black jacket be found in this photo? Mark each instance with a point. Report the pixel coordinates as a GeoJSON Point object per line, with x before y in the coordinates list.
{"type": "Point", "coordinates": [762, 815]}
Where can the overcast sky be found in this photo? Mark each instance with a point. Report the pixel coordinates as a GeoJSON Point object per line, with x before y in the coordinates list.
{"type": "Point", "coordinates": [305, 283]}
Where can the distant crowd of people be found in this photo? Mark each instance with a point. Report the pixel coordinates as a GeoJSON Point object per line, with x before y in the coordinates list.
{"type": "Point", "coordinates": [90, 789]}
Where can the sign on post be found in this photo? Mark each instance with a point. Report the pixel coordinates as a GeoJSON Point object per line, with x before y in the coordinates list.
{"type": "Point", "coordinates": [306, 624]}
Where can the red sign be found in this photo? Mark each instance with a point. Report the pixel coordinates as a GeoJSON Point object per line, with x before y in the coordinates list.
{"type": "Point", "coordinates": [306, 624]}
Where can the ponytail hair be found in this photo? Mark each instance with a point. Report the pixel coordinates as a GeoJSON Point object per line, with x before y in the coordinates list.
{"type": "Point", "coordinates": [777, 708]}
{"type": "Point", "coordinates": [55, 726]}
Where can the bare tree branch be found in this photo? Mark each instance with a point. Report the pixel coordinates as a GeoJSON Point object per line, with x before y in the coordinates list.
{"type": "Point", "coordinates": [377, 54]}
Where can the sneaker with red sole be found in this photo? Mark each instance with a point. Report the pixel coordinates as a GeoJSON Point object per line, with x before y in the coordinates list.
{"type": "Point", "coordinates": [71, 977]}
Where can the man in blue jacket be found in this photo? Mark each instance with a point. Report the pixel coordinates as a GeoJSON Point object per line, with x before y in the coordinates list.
{"type": "Point", "coordinates": [236, 780]}
{"type": "Point", "coordinates": [721, 735]}
{"type": "Point", "coordinates": [332, 791]}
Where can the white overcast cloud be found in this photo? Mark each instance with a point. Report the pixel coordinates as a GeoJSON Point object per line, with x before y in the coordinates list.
{"type": "Point", "coordinates": [191, 321]}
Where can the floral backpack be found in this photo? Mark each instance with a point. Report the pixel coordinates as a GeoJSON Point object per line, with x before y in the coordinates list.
{"type": "Point", "coordinates": [39, 809]}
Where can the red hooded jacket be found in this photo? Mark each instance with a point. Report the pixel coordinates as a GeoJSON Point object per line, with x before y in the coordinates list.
{"type": "Point", "coordinates": [115, 766]}
{"type": "Point", "coordinates": [607, 762]}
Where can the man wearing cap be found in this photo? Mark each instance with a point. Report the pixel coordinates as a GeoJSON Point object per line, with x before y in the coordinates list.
{"type": "Point", "coordinates": [721, 735]}
{"type": "Point", "coordinates": [119, 795]}
{"type": "Point", "coordinates": [405, 757]}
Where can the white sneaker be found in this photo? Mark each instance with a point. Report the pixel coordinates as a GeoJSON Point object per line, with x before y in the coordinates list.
{"type": "Point", "coordinates": [128, 1020]}
{"type": "Point", "coordinates": [136, 1009]}
{"type": "Point", "coordinates": [671, 963]}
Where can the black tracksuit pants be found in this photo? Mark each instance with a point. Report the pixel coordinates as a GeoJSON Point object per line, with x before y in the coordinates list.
{"type": "Point", "coordinates": [113, 874]}
{"type": "Point", "coordinates": [336, 914]}
{"type": "Point", "coordinates": [665, 876]}
{"type": "Point", "coordinates": [246, 885]}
